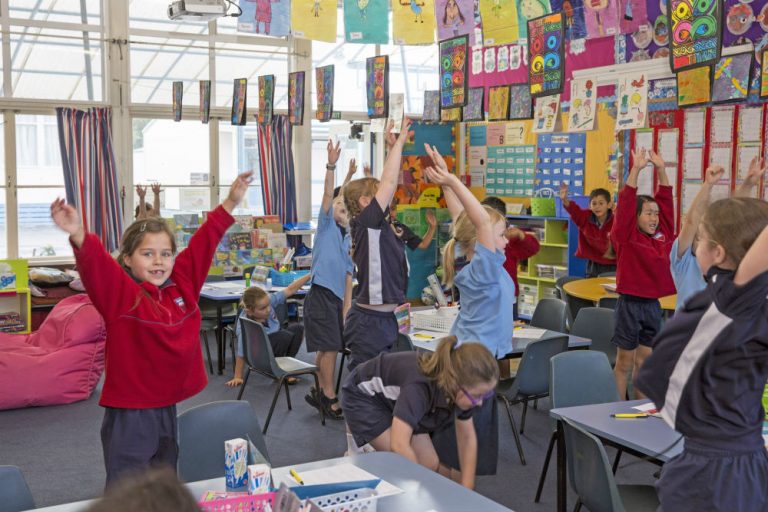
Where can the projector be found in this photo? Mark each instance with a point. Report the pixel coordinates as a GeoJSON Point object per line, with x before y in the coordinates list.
{"type": "Point", "coordinates": [197, 10]}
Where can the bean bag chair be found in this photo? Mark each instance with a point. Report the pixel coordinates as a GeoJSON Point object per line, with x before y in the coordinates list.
{"type": "Point", "coordinates": [60, 363]}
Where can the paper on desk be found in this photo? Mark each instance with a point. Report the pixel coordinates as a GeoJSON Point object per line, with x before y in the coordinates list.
{"type": "Point", "coordinates": [333, 475]}
{"type": "Point", "coordinates": [648, 408]}
{"type": "Point", "coordinates": [529, 333]}
{"type": "Point", "coordinates": [225, 286]}
{"type": "Point", "coordinates": [611, 287]}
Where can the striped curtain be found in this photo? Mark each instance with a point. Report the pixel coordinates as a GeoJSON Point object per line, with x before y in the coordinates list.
{"type": "Point", "coordinates": [90, 173]}
{"type": "Point", "coordinates": [278, 183]}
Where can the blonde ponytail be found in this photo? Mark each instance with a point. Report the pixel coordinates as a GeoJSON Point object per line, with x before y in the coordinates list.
{"type": "Point", "coordinates": [455, 367]}
{"type": "Point", "coordinates": [465, 234]}
{"type": "Point", "coordinates": [449, 262]}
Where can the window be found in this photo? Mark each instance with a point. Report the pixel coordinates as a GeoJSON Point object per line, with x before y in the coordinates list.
{"type": "Point", "coordinates": [3, 191]}
{"type": "Point", "coordinates": [61, 11]}
{"type": "Point", "coordinates": [239, 153]}
{"type": "Point", "coordinates": [412, 70]}
{"type": "Point", "coordinates": [249, 61]}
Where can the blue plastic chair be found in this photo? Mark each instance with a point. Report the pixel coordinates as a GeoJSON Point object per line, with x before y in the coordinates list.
{"type": "Point", "coordinates": [14, 491]}
{"type": "Point", "coordinates": [597, 324]}
{"type": "Point", "coordinates": [550, 314]}
{"type": "Point", "coordinates": [580, 377]}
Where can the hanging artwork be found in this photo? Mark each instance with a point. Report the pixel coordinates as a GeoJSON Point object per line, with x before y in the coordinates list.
{"type": "Point", "coordinates": [314, 19]}
{"type": "Point", "coordinates": [601, 18]}
{"type": "Point", "coordinates": [500, 21]}
{"type": "Point", "coordinates": [453, 72]}
{"type": "Point", "coordinates": [431, 107]}
{"type": "Point", "coordinates": [730, 81]}
{"type": "Point", "coordinates": [473, 111]}
{"type": "Point", "coordinates": [449, 115]}
{"type": "Point", "coordinates": [764, 73]}
{"type": "Point", "coordinates": [573, 10]}
{"type": "Point", "coordinates": [546, 71]}
{"type": "Point", "coordinates": [266, 98]}
{"type": "Point", "coordinates": [296, 98]}
{"type": "Point", "coordinates": [377, 85]}
{"type": "Point", "coordinates": [520, 102]}
{"type": "Point", "coordinates": [205, 100]}
{"type": "Point", "coordinates": [529, 10]}
{"type": "Point", "coordinates": [454, 18]}
{"type": "Point", "coordinates": [268, 17]}
{"type": "Point", "coordinates": [545, 111]}
{"type": "Point", "coordinates": [413, 21]}
{"type": "Point", "coordinates": [632, 102]}
{"type": "Point", "coordinates": [498, 103]}
{"type": "Point", "coordinates": [366, 21]}
{"type": "Point", "coordinates": [178, 94]}
{"type": "Point", "coordinates": [324, 91]}
{"type": "Point", "coordinates": [476, 35]}
{"type": "Point", "coordinates": [581, 117]}
{"type": "Point", "coordinates": [695, 29]}
{"type": "Point", "coordinates": [239, 97]}
{"type": "Point", "coordinates": [693, 86]}
{"type": "Point", "coordinates": [633, 14]}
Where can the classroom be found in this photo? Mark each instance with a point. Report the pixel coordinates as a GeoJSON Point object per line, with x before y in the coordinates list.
{"type": "Point", "coordinates": [423, 255]}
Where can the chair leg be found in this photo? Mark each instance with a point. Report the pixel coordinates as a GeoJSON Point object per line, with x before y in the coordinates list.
{"type": "Point", "coordinates": [577, 507]}
{"type": "Point", "coordinates": [287, 392]}
{"type": "Point", "coordinates": [272, 406]}
{"type": "Point", "coordinates": [232, 348]}
{"type": "Point", "coordinates": [204, 334]}
{"type": "Point", "coordinates": [514, 431]}
{"type": "Point", "coordinates": [317, 387]}
{"type": "Point", "coordinates": [245, 381]}
{"type": "Point", "coordinates": [536, 404]}
{"type": "Point", "coordinates": [552, 441]}
{"type": "Point", "coordinates": [341, 370]}
{"type": "Point", "coordinates": [525, 410]}
{"type": "Point", "coordinates": [616, 461]}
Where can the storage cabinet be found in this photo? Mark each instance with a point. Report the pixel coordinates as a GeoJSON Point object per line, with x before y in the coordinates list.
{"type": "Point", "coordinates": [15, 300]}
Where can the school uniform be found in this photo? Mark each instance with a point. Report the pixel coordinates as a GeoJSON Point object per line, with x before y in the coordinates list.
{"type": "Point", "coordinates": [706, 375]}
{"type": "Point", "coordinates": [153, 354]}
{"type": "Point", "coordinates": [285, 342]}
{"type": "Point", "coordinates": [406, 234]}
{"type": "Point", "coordinates": [515, 251]}
{"type": "Point", "coordinates": [593, 239]}
{"type": "Point", "coordinates": [643, 274]}
{"type": "Point", "coordinates": [686, 273]}
{"type": "Point", "coordinates": [324, 304]}
{"type": "Point", "coordinates": [382, 275]}
{"type": "Point", "coordinates": [392, 385]}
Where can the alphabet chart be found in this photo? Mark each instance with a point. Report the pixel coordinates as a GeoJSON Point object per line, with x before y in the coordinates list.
{"type": "Point", "coordinates": [560, 159]}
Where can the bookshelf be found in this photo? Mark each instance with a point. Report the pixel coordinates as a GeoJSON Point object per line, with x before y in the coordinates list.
{"type": "Point", "coordinates": [14, 295]}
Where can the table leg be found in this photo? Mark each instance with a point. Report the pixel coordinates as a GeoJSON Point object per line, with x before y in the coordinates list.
{"type": "Point", "coordinates": [219, 338]}
{"type": "Point", "coordinates": [562, 496]}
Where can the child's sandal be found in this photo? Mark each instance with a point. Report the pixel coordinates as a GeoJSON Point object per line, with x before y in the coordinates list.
{"type": "Point", "coordinates": [332, 413]}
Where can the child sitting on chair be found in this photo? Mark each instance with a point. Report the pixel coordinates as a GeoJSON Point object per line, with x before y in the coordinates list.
{"type": "Point", "coordinates": [259, 305]}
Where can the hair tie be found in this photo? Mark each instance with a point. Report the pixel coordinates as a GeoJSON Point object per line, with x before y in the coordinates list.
{"type": "Point", "coordinates": [143, 227]}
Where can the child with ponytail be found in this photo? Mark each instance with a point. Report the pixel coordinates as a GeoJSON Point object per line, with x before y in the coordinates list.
{"type": "Point", "coordinates": [395, 401]}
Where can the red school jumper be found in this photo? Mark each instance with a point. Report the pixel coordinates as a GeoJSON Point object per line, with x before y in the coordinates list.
{"type": "Point", "coordinates": [593, 239]}
{"type": "Point", "coordinates": [643, 260]}
{"type": "Point", "coordinates": [153, 354]}
{"type": "Point", "coordinates": [517, 250]}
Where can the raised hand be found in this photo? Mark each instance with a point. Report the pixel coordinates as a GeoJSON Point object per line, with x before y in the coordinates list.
{"type": "Point", "coordinates": [65, 216]}
{"type": "Point", "coordinates": [405, 130]}
{"type": "Point", "coordinates": [639, 159]}
{"type": "Point", "coordinates": [141, 191]}
{"type": "Point", "coordinates": [714, 173]}
{"type": "Point", "coordinates": [430, 218]}
{"type": "Point", "coordinates": [564, 192]}
{"type": "Point", "coordinates": [352, 167]}
{"type": "Point", "coordinates": [439, 176]}
{"type": "Point", "coordinates": [237, 190]}
{"type": "Point", "coordinates": [389, 137]}
{"type": "Point", "coordinates": [155, 189]}
{"type": "Point", "coordinates": [658, 162]}
{"type": "Point", "coordinates": [367, 171]}
{"type": "Point", "coordinates": [437, 158]}
{"type": "Point", "coordinates": [757, 169]}
{"type": "Point", "coordinates": [333, 152]}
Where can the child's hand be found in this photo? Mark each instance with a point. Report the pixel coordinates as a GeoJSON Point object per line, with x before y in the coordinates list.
{"type": "Point", "coordinates": [367, 171]}
{"type": "Point", "coordinates": [237, 381]}
{"type": "Point", "coordinates": [757, 169]}
{"type": "Point", "coordinates": [437, 158]}
{"type": "Point", "coordinates": [141, 192]}
{"type": "Point", "coordinates": [564, 192]}
{"type": "Point", "coordinates": [658, 162]}
{"type": "Point", "coordinates": [639, 159]}
{"type": "Point", "coordinates": [431, 219]}
{"type": "Point", "coordinates": [65, 216]}
{"type": "Point", "coordinates": [237, 191]}
{"type": "Point", "coordinates": [715, 172]}
{"type": "Point", "coordinates": [333, 152]}
{"type": "Point", "coordinates": [155, 189]}
{"type": "Point", "coordinates": [439, 176]}
{"type": "Point", "coordinates": [352, 167]}
{"type": "Point", "coordinates": [389, 137]}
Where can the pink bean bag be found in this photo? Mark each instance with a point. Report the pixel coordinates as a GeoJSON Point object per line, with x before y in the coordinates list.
{"type": "Point", "coordinates": [60, 363]}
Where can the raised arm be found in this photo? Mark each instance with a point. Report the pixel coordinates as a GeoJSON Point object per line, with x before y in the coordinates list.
{"type": "Point", "coordinates": [451, 200]}
{"type": "Point", "coordinates": [295, 286]}
{"type": "Point", "coordinates": [663, 196]}
{"type": "Point", "coordinates": [351, 170]}
{"type": "Point", "coordinates": [156, 198]}
{"type": "Point", "coordinates": [697, 209]}
{"type": "Point", "coordinates": [660, 166]}
{"type": "Point", "coordinates": [330, 178]}
{"type": "Point", "coordinates": [625, 221]}
{"type": "Point", "coordinates": [755, 262]}
{"type": "Point", "coordinates": [639, 161]}
{"type": "Point", "coordinates": [564, 195]}
{"type": "Point", "coordinates": [142, 193]}
{"type": "Point", "coordinates": [388, 181]}
{"type": "Point", "coordinates": [430, 234]}
{"type": "Point", "coordinates": [756, 171]}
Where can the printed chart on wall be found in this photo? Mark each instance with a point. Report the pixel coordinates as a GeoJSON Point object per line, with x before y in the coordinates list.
{"type": "Point", "coordinates": [510, 171]}
{"type": "Point", "coordinates": [721, 147]}
{"type": "Point", "coordinates": [644, 140]}
{"type": "Point", "coordinates": [667, 141]}
{"type": "Point", "coordinates": [546, 45]}
{"type": "Point", "coordinates": [750, 121]}
{"type": "Point", "coordinates": [560, 159]}
{"type": "Point", "coordinates": [695, 29]}
{"type": "Point", "coordinates": [453, 72]}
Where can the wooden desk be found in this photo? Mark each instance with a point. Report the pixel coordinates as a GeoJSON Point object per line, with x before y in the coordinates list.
{"type": "Point", "coordinates": [592, 289]}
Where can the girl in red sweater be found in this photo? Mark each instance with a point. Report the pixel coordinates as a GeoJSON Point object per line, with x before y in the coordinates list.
{"type": "Point", "coordinates": [642, 235]}
{"type": "Point", "coordinates": [148, 299]}
{"type": "Point", "coordinates": [594, 226]}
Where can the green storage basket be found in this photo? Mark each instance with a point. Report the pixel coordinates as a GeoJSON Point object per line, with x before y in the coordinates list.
{"type": "Point", "coordinates": [543, 207]}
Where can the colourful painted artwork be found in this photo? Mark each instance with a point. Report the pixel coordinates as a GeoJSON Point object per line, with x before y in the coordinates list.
{"type": "Point", "coordinates": [601, 18]}
{"type": "Point", "coordinates": [268, 17]}
{"type": "Point", "coordinates": [633, 14]}
{"type": "Point", "coordinates": [266, 98]}
{"type": "Point", "coordinates": [529, 10]}
{"type": "Point", "coordinates": [366, 21]}
{"type": "Point", "coordinates": [632, 102]}
{"type": "Point", "coordinates": [324, 91]}
{"type": "Point", "coordinates": [431, 107]}
{"type": "Point", "coordinates": [581, 117]}
{"type": "Point", "coordinates": [498, 103]}
{"type": "Point", "coordinates": [545, 113]}
{"type": "Point", "coordinates": [693, 86]}
{"type": "Point", "coordinates": [764, 74]}
{"type": "Point", "coordinates": [744, 21]}
{"type": "Point", "coordinates": [520, 102]}
{"type": "Point", "coordinates": [450, 115]}
{"type": "Point", "coordinates": [730, 81]}
{"type": "Point", "coordinates": [453, 72]}
{"type": "Point", "coordinates": [314, 19]}
{"type": "Point", "coordinates": [651, 40]}
{"type": "Point", "coordinates": [377, 86]}
{"type": "Point", "coordinates": [178, 94]}
{"type": "Point", "coordinates": [413, 21]}
{"type": "Point", "coordinates": [239, 101]}
{"type": "Point", "coordinates": [296, 98]}
{"type": "Point", "coordinates": [500, 22]}
{"type": "Point", "coordinates": [454, 18]}
{"type": "Point", "coordinates": [473, 111]}
{"type": "Point", "coordinates": [573, 10]}
{"type": "Point", "coordinates": [695, 29]}
{"type": "Point", "coordinates": [546, 47]}
{"type": "Point", "coordinates": [205, 101]}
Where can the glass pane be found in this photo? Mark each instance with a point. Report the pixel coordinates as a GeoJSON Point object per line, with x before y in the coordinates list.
{"type": "Point", "coordinates": [156, 63]}
{"type": "Point", "coordinates": [412, 70]}
{"type": "Point", "coordinates": [153, 15]}
{"type": "Point", "coordinates": [180, 200]}
{"type": "Point", "coordinates": [253, 204]}
{"type": "Point", "coordinates": [3, 213]}
{"type": "Point", "coordinates": [38, 236]}
{"type": "Point", "coordinates": [349, 70]}
{"type": "Point", "coordinates": [56, 64]}
{"type": "Point", "coordinates": [66, 11]}
{"type": "Point", "coordinates": [38, 156]}
{"type": "Point", "coordinates": [238, 153]}
{"type": "Point", "coordinates": [249, 61]}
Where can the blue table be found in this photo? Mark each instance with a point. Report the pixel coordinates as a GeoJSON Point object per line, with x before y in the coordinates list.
{"type": "Point", "coordinates": [518, 342]}
{"type": "Point", "coordinates": [424, 490]}
{"type": "Point", "coordinates": [649, 437]}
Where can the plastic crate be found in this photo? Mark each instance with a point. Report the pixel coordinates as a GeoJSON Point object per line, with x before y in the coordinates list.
{"type": "Point", "coordinates": [559, 271]}
{"type": "Point", "coordinates": [545, 271]}
{"type": "Point", "coordinates": [362, 500]}
{"type": "Point", "coordinates": [286, 278]}
{"type": "Point", "coordinates": [543, 207]}
{"type": "Point", "coordinates": [435, 319]}
{"type": "Point", "coordinates": [244, 503]}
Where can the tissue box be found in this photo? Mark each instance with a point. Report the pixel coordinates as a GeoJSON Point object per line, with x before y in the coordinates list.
{"type": "Point", "coordinates": [235, 462]}
{"type": "Point", "coordinates": [259, 478]}
{"type": "Point", "coordinates": [7, 280]}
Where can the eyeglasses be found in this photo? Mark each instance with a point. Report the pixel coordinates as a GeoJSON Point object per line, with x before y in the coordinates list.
{"type": "Point", "coordinates": [477, 400]}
